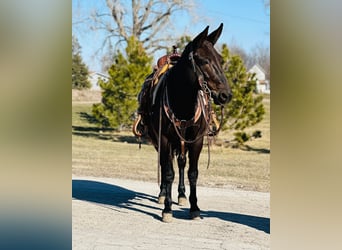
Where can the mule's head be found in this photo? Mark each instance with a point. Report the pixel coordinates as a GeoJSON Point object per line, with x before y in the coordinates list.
{"type": "Point", "coordinates": [209, 62]}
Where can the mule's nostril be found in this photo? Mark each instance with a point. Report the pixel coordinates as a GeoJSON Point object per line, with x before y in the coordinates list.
{"type": "Point", "coordinates": [225, 97]}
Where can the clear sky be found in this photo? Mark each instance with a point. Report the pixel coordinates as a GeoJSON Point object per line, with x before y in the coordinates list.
{"type": "Point", "coordinates": [246, 24]}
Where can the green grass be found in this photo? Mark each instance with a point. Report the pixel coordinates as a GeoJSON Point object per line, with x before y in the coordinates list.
{"type": "Point", "coordinates": [112, 154]}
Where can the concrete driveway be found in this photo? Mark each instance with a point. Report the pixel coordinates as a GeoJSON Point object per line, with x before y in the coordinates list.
{"type": "Point", "coordinates": [124, 214]}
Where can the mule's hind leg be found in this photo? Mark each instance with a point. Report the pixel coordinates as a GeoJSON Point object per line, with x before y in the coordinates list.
{"type": "Point", "coordinates": [162, 194]}
{"type": "Point", "coordinates": [168, 175]}
{"type": "Point", "coordinates": [181, 187]}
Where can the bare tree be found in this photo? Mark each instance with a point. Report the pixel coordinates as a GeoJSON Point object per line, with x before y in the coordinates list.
{"type": "Point", "coordinates": [143, 19]}
{"type": "Point", "coordinates": [267, 4]}
{"type": "Point", "coordinates": [260, 54]}
{"type": "Point", "coordinates": [236, 49]}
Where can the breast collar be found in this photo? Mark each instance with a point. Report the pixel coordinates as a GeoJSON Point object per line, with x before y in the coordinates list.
{"type": "Point", "coordinates": [202, 101]}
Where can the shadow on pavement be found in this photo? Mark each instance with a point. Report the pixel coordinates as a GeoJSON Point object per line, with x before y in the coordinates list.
{"type": "Point", "coordinates": [113, 195]}
{"type": "Point", "coordinates": [259, 223]}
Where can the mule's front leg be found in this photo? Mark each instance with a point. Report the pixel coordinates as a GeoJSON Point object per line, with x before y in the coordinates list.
{"type": "Point", "coordinates": [181, 187]}
{"type": "Point", "coordinates": [168, 175]}
{"type": "Point", "coordinates": [194, 209]}
{"type": "Point", "coordinates": [194, 153]}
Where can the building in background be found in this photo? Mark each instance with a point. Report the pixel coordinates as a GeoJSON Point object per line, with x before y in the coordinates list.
{"type": "Point", "coordinates": [94, 77]}
{"type": "Point", "coordinates": [263, 85]}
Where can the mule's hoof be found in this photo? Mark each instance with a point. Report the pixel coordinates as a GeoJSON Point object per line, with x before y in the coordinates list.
{"type": "Point", "coordinates": [161, 199]}
{"type": "Point", "coordinates": [195, 215]}
{"type": "Point", "coordinates": [182, 201]}
{"type": "Point", "coordinates": [167, 217]}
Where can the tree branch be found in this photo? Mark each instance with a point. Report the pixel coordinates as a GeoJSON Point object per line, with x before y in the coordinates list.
{"type": "Point", "coordinates": [117, 14]}
{"type": "Point", "coordinates": [146, 14]}
{"type": "Point", "coordinates": [146, 20]}
{"type": "Point", "coordinates": [135, 11]}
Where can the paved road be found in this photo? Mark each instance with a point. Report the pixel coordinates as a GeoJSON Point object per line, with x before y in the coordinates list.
{"type": "Point", "coordinates": [123, 214]}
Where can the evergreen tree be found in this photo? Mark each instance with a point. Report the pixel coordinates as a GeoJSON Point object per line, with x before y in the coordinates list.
{"type": "Point", "coordinates": [119, 94]}
{"type": "Point", "coordinates": [246, 108]}
{"type": "Point", "coordinates": [79, 72]}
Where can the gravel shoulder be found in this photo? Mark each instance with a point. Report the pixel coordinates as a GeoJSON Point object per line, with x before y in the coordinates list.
{"type": "Point", "coordinates": [110, 213]}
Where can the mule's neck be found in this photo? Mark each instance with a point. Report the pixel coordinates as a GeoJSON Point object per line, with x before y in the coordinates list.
{"type": "Point", "coordinates": [182, 89]}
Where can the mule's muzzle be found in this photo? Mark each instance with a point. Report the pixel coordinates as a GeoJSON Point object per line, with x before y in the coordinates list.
{"type": "Point", "coordinates": [223, 97]}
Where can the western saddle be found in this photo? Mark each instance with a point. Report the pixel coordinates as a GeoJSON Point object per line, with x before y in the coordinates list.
{"type": "Point", "coordinates": [163, 64]}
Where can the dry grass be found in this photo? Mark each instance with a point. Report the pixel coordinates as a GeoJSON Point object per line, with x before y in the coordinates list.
{"type": "Point", "coordinates": [87, 96]}
{"type": "Point", "coordinates": [113, 154]}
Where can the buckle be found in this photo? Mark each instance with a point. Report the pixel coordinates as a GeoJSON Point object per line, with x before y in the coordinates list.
{"type": "Point", "coordinates": [182, 123]}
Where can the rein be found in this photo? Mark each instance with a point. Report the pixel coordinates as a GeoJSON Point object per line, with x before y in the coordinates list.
{"type": "Point", "coordinates": [204, 87]}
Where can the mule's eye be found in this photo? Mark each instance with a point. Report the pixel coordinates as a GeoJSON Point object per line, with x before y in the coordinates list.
{"type": "Point", "coordinates": [204, 62]}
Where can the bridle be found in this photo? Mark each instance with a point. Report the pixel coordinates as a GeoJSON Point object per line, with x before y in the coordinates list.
{"type": "Point", "coordinates": [206, 90]}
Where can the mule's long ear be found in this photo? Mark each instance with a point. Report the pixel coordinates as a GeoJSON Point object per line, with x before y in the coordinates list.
{"type": "Point", "coordinates": [214, 36]}
{"type": "Point", "coordinates": [200, 38]}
